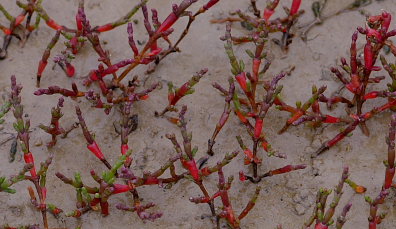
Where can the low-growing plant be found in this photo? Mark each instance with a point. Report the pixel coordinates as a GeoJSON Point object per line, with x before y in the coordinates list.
{"type": "Point", "coordinates": [360, 72]}
{"type": "Point", "coordinates": [252, 106]}
{"type": "Point", "coordinates": [250, 96]}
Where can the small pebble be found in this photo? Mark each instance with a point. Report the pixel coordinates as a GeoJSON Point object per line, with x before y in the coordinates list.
{"type": "Point", "coordinates": [300, 209]}
{"type": "Point", "coordinates": [297, 198]}
{"type": "Point", "coordinates": [38, 143]}
{"type": "Point", "coordinates": [316, 56]}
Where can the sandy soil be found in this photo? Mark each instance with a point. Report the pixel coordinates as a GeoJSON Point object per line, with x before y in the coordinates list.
{"type": "Point", "coordinates": [285, 199]}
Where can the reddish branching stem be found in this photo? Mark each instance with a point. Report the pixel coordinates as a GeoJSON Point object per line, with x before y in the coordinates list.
{"type": "Point", "coordinates": [357, 83]}
{"type": "Point", "coordinates": [223, 117]}
{"type": "Point", "coordinates": [38, 178]}
{"type": "Point", "coordinates": [54, 128]}
{"type": "Point", "coordinates": [175, 94]}
{"type": "Point", "coordinates": [390, 163]}
{"type": "Point", "coordinates": [324, 218]}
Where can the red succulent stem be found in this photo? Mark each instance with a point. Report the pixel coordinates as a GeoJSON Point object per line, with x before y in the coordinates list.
{"type": "Point", "coordinates": [104, 28]}
{"type": "Point", "coordinates": [285, 169]}
{"type": "Point", "coordinates": [267, 14]}
{"type": "Point", "coordinates": [191, 166]}
{"type": "Point", "coordinates": [353, 51]}
{"type": "Point", "coordinates": [241, 116]}
{"type": "Point", "coordinates": [295, 7]}
{"type": "Point", "coordinates": [124, 149]}
{"type": "Point", "coordinates": [258, 128]}
{"type": "Point", "coordinates": [29, 159]}
{"type": "Point", "coordinates": [19, 19]}
{"type": "Point", "coordinates": [255, 68]}
{"type": "Point", "coordinates": [352, 126]}
{"type": "Point", "coordinates": [390, 165]}
{"type": "Point", "coordinates": [270, 9]}
{"type": "Point", "coordinates": [70, 70]}
{"type": "Point", "coordinates": [168, 23]}
{"type": "Point", "coordinates": [182, 91]}
{"type": "Point", "coordinates": [51, 23]}
{"type": "Point", "coordinates": [241, 79]}
{"type": "Point", "coordinates": [331, 119]}
{"type": "Point", "coordinates": [389, 175]}
{"type": "Point", "coordinates": [94, 148]}
{"type": "Point", "coordinates": [211, 3]}
{"type": "Point", "coordinates": [321, 226]}
{"type": "Point", "coordinates": [177, 12]}
{"type": "Point", "coordinates": [6, 30]}
{"type": "Point", "coordinates": [44, 59]}
{"type": "Point", "coordinates": [368, 56]}
{"type": "Point", "coordinates": [120, 188]}
{"type": "Point", "coordinates": [104, 206]}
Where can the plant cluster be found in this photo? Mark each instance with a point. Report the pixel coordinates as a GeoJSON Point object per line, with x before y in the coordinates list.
{"type": "Point", "coordinates": [250, 96]}
{"type": "Point", "coordinates": [357, 77]}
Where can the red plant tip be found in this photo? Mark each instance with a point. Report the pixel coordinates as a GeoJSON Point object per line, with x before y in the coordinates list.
{"type": "Point", "coordinates": [371, 95]}
{"type": "Point", "coordinates": [94, 148]}
{"type": "Point", "coordinates": [93, 75]}
{"type": "Point", "coordinates": [41, 67]}
{"type": "Point", "coordinates": [6, 31]}
{"type": "Point", "coordinates": [124, 149]}
{"type": "Point", "coordinates": [295, 7]}
{"type": "Point", "coordinates": [360, 189]}
{"type": "Point", "coordinates": [286, 169]}
{"type": "Point", "coordinates": [321, 226]}
{"type": "Point", "coordinates": [54, 210]}
{"type": "Point", "coordinates": [51, 23]}
{"type": "Point", "coordinates": [210, 4]}
{"type": "Point", "coordinates": [169, 21]}
{"type": "Point", "coordinates": [267, 14]}
{"type": "Point", "coordinates": [368, 56]}
{"type": "Point", "coordinates": [70, 70]}
{"type": "Point", "coordinates": [241, 79]}
{"type": "Point", "coordinates": [105, 28]}
{"type": "Point", "coordinates": [79, 22]}
{"type": "Point", "coordinates": [258, 128]}
{"type": "Point", "coordinates": [354, 36]}
{"type": "Point", "coordinates": [331, 119]}
{"type": "Point", "coordinates": [19, 19]}
{"type": "Point", "coordinates": [28, 157]}
{"type": "Point", "coordinates": [361, 30]}
{"type": "Point", "coordinates": [242, 176]}
{"type": "Point", "coordinates": [144, 97]}
{"type": "Point", "coordinates": [357, 188]}
{"type": "Point", "coordinates": [374, 19]}
{"type": "Point", "coordinates": [386, 20]}
{"type": "Point", "coordinates": [120, 188]}
{"type": "Point", "coordinates": [343, 61]}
